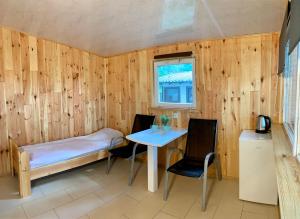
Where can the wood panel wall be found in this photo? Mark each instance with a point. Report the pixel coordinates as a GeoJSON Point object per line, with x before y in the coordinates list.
{"type": "Point", "coordinates": [48, 91]}
{"type": "Point", "coordinates": [236, 80]}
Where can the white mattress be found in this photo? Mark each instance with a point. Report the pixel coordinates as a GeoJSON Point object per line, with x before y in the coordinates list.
{"type": "Point", "coordinates": [53, 152]}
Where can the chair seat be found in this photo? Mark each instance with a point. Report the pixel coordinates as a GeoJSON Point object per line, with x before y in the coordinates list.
{"type": "Point", "coordinates": [126, 151]}
{"type": "Point", "coordinates": [188, 168]}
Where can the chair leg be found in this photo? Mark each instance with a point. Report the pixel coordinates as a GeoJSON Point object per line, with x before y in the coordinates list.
{"type": "Point", "coordinates": [132, 160]}
{"type": "Point", "coordinates": [166, 186]}
{"type": "Point", "coordinates": [218, 167]}
{"type": "Point", "coordinates": [204, 189]}
{"type": "Point", "coordinates": [131, 172]}
{"type": "Point", "coordinates": [108, 163]}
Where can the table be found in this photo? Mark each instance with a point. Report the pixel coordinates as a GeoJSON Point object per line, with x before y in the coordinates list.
{"type": "Point", "coordinates": [154, 139]}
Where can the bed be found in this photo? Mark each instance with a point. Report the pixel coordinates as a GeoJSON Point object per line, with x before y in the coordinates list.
{"type": "Point", "coordinates": [31, 162]}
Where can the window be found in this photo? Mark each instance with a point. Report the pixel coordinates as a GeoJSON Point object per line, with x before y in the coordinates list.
{"type": "Point", "coordinates": [189, 94]}
{"type": "Point", "coordinates": [291, 98]}
{"type": "Point", "coordinates": [171, 94]}
{"type": "Point", "coordinates": [174, 82]}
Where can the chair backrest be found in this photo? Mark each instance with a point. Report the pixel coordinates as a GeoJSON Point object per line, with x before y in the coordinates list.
{"type": "Point", "coordinates": [201, 138]}
{"type": "Point", "coordinates": [142, 122]}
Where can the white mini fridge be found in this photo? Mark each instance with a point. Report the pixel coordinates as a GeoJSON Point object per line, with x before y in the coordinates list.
{"type": "Point", "coordinates": [257, 177]}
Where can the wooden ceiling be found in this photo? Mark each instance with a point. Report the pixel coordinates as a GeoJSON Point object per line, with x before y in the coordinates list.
{"type": "Point", "coordinates": [109, 27]}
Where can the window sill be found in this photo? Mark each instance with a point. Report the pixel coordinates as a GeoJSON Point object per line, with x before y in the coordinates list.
{"type": "Point", "coordinates": [288, 174]}
{"type": "Point", "coordinates": [174, 108]}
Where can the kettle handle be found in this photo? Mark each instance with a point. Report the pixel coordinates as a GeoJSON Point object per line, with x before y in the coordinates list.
{"type": "Point", "coordinates": [268, 121]}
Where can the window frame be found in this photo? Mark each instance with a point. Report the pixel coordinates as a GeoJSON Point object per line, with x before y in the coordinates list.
{"type": "Point", "coordinates": [296, 148]}
{"type": "Point", "coordinates": [293, 135]}
{"type": "Point", "coordinates": [177, 60]}
{"type": "Point", "coordinates": [288, 129]}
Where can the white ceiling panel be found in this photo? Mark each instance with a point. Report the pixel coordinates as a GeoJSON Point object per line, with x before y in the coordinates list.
{"type": "Point", "coordinates": [109, 27]}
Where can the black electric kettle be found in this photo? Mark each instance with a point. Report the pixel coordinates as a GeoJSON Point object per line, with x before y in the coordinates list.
{"type": "Point", "coordinates": [263, 124]}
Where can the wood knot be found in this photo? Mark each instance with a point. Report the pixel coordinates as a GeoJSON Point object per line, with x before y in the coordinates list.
{"type": "Point", "coordinates": [76, 76]}
{"type": "Point", "coordinates": [262, 79]}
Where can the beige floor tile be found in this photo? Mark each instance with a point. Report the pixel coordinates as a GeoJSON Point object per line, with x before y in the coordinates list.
{"type": "Point", "coordinates": [162, 215]}
{"type": "Point", "coordinates": [275, 214]}
{"type": "Point", "coordinates": [138, 192]}
{"type": "Point", "coordinates": [9, 194]}
{"type": "Point", "coordinates": [48, 215]}
{"type": "Point", "coordinates": [196, 212]}
{"type": "Point", "coordinates": [230, 206]}
{"type": "Point", "coordinates": [55, 184]}
{"type": "Point", "coordinates": [78, 207]}
{"type": "Point", "coordinates": [79, 190]}
{"type": "Point", "coordinates": [84, 217]}
{"type": "Point", "coordinates": [44, 204]}
{"type": "Point", "coordinates": [114, 209]}
{"type": "Point", "coordinates": [113, 190]}
{"type": "Point", "coordinates": [215, 192]}
{"type": "Point", "coordinates": [15, 213]}
{"type": "Point", "coordinates": [250, 215]}
{"type": "Point", "coordinates": [269, 210]}
{"type": "Point", "coordinates": [91, 170]}
{"type": "Point", "coordinates": [89, 191]}
{"type": "Point", "coordinates": [226, 213]}
{"type": "Point", "coordinates": [147, 208]}
{"type": "Point", "coordinates": [228, 210]}
{"type": "Point", "coordinates": [179, 203]}
{"type": "Point", "coordinates": [106, 180]}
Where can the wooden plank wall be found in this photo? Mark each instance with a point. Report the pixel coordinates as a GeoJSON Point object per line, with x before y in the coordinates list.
{"type": "Point", "coordinates": [236, 80]}
{"type": "Point", "coordinates": [48, 91]}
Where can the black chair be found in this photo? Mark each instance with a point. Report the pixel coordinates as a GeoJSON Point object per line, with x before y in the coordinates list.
{"type": "Point", "coordinates": [141, 122]}
{"type": "Point", "coordinates": [199, 154]}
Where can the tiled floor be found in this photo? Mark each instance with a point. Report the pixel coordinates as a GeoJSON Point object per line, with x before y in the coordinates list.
{"type": "Point", "coordinates": [89, 193]}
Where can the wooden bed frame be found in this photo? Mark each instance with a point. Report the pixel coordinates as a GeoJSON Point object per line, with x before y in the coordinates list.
{"type": "Point", "coordinates": [20, 166]}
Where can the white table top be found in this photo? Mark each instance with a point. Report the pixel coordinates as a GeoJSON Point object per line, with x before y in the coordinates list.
{"type": "Point", "coordinates": [157, 138]}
